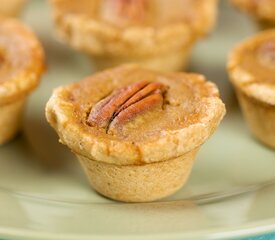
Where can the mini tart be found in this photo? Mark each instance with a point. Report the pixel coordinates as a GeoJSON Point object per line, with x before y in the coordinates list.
{"type": "Point", "coordinates": [145, 151]}
{"type": "Point", "coordinates": [252, 72]}
{"type": "Point", "coordinates": [153, 33]}
{"type": "Point", "coordinates": [263, 11]}
{"type": "Point", "coordinates": [11, 8]}
{"type": "Point", "coordinates": [21, 65]}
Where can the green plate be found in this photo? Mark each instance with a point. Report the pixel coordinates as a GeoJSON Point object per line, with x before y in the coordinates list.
{"type": "Point", "coordinates": [45, 195]}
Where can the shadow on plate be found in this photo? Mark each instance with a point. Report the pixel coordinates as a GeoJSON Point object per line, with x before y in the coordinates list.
{"type": "Point", "coordinates": [43, 142]}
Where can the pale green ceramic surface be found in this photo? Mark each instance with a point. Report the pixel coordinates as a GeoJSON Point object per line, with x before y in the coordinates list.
{"type": "Point", "coordinates": [44, 194]}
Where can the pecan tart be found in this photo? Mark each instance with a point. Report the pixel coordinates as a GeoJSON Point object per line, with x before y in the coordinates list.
{"type": "Point", "coordinates": [11, 8]}
{"type": "Point", "coordinates": [158, 34]}
{"type": "Point", "coordinates": [252, 71]}
{"type": "Point", "coordinates": [135, 131]}
{"type": "Point", "coordinates": [263, 11]}
{"type": "Point", "coordinates": [21, 65]}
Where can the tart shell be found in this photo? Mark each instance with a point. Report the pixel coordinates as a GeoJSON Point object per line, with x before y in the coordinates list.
{"type": "Point", "coordinates": [21, 66]}
{"type": "Point", "coordinates": [157, 161]}
{"type": "Point", "coordinates": [129, 183]}
{"type": "Point", "coordinates": [256, 97]}
{"type": "Point", "coordinates": [260, 118]}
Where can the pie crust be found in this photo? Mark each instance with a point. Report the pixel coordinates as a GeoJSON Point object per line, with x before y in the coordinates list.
{"type": "Point", "coordinates": [158, 144]}
{"type": "Point", "coordinates": [252, 69]}
{"type": "Point", "coordinates": [160, 41]}
{"type": "Point", "coordinates": [21, 65]}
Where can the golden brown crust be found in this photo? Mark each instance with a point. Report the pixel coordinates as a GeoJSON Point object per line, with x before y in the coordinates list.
{"type": "Point", "coordinates": [84, 30]}
{"type": "Point", "coordinates": [251, 71]}
{"type": "Point", "coordinates": [170, 61]}
{"type": "Point", "coordinates": [22, 60]}
{"type": "Point", "coordinates": [139, 183]}
{"type": "Point", "coordinates": [260, 118]}
{"type": "Point", "coordinates": [67, 112]}
{"type": "Point", "coordinates": [264, 9]}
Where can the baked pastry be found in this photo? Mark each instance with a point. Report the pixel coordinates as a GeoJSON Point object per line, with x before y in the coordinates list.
{"type": "Point", "coordinates": [158, 34]}
{"type": "Point", "coordinates": [252, 71]}
{"type": "Point", "coordinates": [136, 132]}
{"type": "Point", "coordinates": [11, 8]}
{"type": "Point", "coordinates": [262, 11]}
{"type": "Point", "coordinates": [21, 65]}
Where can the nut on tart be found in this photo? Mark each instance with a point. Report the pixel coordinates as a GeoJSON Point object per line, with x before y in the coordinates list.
{"type": "Point", "coordinates": [251, 69]}
{"type": "Point", "coordinates": [21, 66]}
{"type": "Point", "coordinates": [158, 34]}
{"type": "Point", "coordinates": [136, 132]}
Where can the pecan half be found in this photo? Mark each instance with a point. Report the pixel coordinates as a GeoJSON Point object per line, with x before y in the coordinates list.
{"type": "Point", "coordinates": [125, 104]}
{"type": "Point", "coordinates": [121, 11]}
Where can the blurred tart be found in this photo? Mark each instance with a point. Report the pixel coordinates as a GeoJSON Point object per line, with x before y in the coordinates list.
{"type": "Point", "coordinates": [11, 8]}
{"type": "Point", "coordinates": [263, 11]}
{"type": "Point", "coordinates": [158, 34]}
{"type": "Point", "coordinates": [252, 71]}
{"type": "Point", "coordinates": [136, 132]}
{"type": "Point", "coordinates": [21, 65]}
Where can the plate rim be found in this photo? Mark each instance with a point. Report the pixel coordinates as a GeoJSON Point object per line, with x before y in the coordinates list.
{"type": "Point", "coordinates": [244, 230]}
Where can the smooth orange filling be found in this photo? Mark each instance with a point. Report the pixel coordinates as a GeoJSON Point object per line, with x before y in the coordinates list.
{"type": "Point", "coordinates": [266, 53]}
{"type": "Point", "coordinates": [259, 61]}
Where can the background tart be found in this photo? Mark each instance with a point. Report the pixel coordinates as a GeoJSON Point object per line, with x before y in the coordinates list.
{"type": "Point", "coordinates": [21, 66]}
{"type": "Point", "coordinates": [252, 71]}
{"type": "Point", "coordinates": [21, 60]}
{"type": "Point", "coordinates": [154, 33]}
